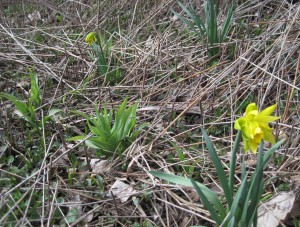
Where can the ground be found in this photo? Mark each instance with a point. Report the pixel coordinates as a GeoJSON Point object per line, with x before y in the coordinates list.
{"type": "Point", "coordinates": [51, 176]}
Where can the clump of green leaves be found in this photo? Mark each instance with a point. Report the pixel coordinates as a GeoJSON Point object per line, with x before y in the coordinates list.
{"type": "Point", "coordinates": [33, 122]}
{"type": "Point", "coordinates": [207, 27]}
{"type": "Point", "coordinates": [241, 203]}
{"type": "Point", "coordinates": [12, 216]}
{"type": "Point", "coordinates": [112, 131]}
{"type": "Point", "coordinates": [27, 110]}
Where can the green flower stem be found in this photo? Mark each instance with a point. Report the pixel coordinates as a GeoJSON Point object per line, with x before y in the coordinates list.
{"type": "Point", "coordinates": [233, 162]}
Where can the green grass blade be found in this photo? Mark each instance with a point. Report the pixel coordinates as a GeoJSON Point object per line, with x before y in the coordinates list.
{"type": "Point", "coordinates": [101, 143]}
{"type": "Point", "coordinates": [180, 156]}
{"type": "Point", "coordinates": [102, 61]}
{"type": "Point", "coordinates": [103, 120]}
{"type": "Point", "coordinates": [80, 113]}
{"type": "Point", "coordinates": [76, 138]}
{"type": "Point", "coordinates": [211, 27]}
{"type": "Point", "coordinates": [119, 116]}
{"type": "Point", "coordinates": [52, 112]}
{"type": "Point", "coordinates": [232, 222]}
{"type": "Point", "coordinates": [179, 151]}
{"type": "Point", "coordinates": [130, 121]}
{"type": "Point", "coordinates": [125, 120]}
{"type": "Point", "coordinates": [244, 199]}
{"type": "Point", "coordinates": [261, 164]}
{"type": "Point", "coordinates": [257, 180]}
{"type": "Point", "coordinates": [256, 185]}
{"type": "Point", "coordinates": [253, 193]}
{"type": "Point", "coordinates": [22, 109]}
{"type": "Point", "coordinates": [219, 167]}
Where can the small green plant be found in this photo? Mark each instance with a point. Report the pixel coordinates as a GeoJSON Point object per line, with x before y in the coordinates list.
{"type": "Point", "coordinates": [9, 216]}
{"type": "Point", "coordinates": [208, 27]}
{"type": "Point", "coordinates": [185, 165]}
{"type": "Point", "coordinates": [27, 110]}
{"type": "Point", "coordinates": [111, 136]}
{"type": "Point", "coordinates": [241, 203]}
{"type": "Point", "coordinates": [33, 123]}
{"type": "Point", "coordinates": [107, 65]}
{"type": "Point", "coordinates": [296, 222]}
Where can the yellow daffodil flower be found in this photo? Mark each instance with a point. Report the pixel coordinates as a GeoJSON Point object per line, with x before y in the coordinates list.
{"type": "Point", "coordinates": [254, 126]}
{"type": "Point", "coordinates": [90, 38]}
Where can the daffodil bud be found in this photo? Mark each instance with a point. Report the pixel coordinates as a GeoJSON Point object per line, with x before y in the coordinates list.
{"type": "Point", "coordinates": [90, 38]}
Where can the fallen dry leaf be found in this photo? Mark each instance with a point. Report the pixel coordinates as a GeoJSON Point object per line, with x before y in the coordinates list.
{"type": "Point", "coordinates": [98, 166]}
{"type": "Point", "coordinates": [276, 209]}
{"type": "Point", "coordinates": [122, 191]}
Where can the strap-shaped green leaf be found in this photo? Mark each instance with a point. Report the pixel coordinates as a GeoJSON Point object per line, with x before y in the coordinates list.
{"type": "Point", "coordinates": [237, 203]}
{"type": "Point", "coordinates": [190, 14]}
{"type": "Point", "coordinates": [227, 23]}
{"type": "Point", "coordinates": [271, 151]}
{"type": "Point", "coordinates": [255, 187]}
{"type": "Point", "coordinates": [187, 23]}
{"type": "Point", "coordinates": [210, 195]}
{"type": "Point", "coordinates": [22, 109]}
{"type": "Point", "coordinates": [207, 204]}
{"type": "Point", "coordinates": [211, 21]}
{"type": "Point", "coordinates": [219, 167]}
{"type": "Point", "coordinates": [198, 21]}
{"type": "Point", "coordinates": [35, 98]}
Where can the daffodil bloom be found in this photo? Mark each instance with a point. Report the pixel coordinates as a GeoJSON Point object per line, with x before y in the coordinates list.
{"type": "Point", "coordinates": [254, 126]}
{"type": "Point", "coordinates": [90, 38]}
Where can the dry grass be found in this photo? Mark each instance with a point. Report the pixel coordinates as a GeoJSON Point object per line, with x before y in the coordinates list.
{"type": "Point", "coordinates": [167, 71]}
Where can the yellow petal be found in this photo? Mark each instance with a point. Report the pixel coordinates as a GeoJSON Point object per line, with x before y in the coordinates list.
{"type": "Point", "coordinates": [269, 110]}
{"type": "Point", "coordinates": [90, 38]}
{"type": "Point", "coordinates": [246, 146]}
{"type": "Point", "coordinates": [265, 118]}
{"type": "Point", "coordinates": [246, 130]}
{"type": "Point", "coordinates": [258, 136]}
{"type": "Point", "coordinates": [238, 124]}
{"type": "Point", "coordinates": [251, 107]}
{"type": "Point", "coordinates": [268, 136]}
{"type": "Point", "coordinates": [253, 146]}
